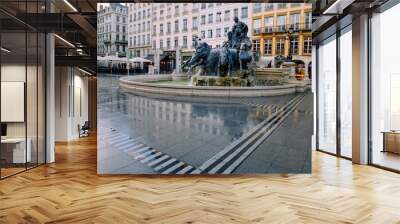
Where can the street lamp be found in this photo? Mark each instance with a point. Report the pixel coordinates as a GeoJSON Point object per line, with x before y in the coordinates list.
{"type": "Point", "coordinates": [290, 37]}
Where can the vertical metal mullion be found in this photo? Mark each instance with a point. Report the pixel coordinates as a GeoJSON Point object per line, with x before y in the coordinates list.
{"type": "Point", "coordinates": [338, 98]}
{"type": "Point", "coordinates": [26, 86]}
{"type": "Point", "coordinates": [37, 90]}
{"type": "Point", "coordinates": [369, 90]}
{"type": "Point", "coordinates": [316, 75]}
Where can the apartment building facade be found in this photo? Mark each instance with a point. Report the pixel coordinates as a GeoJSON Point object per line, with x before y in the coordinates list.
{"type": "Point", "coordinates": [112, 30]}
{"type": "Point", "coordinates": [273, 23]}
{"type": "Point", "coordinates": [171, 27]}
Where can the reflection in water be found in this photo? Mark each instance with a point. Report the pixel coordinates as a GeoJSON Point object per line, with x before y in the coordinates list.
{"type": "Point", "coordinates": [190, 129]}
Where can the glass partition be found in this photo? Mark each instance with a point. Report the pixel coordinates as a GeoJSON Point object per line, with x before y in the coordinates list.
{"type": "Point", "coordinates": [14, 154]}
{"type": "Point", "coordinates": [346, 92]}
{"type": "Point", "coordinates": [385, 89]}
{"type": "Point", "coordinates": [22, 78]}
{"type": "Point", "coordinates": [327, 95]}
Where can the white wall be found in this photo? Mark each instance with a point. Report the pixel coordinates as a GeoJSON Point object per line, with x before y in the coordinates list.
{"type": "Point", "coordinates": [71, 102]}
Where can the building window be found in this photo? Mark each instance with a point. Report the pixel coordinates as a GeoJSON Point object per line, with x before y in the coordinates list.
{"type": "Point", "coordinates": [210, 18]}
{"type": "Point", "coordinates": [185, 25]}
{"type": "Point", "coordinates": [176, 9]}
{"type": "Point", "coordinates": [269, 24]}
{"type": "Point", "coordinates": [168, 27]}
{"type": "Point", "coordinates": [295, 21]}
{"type": "Point", "coordinates": [257, 7]}
{"type": "Point", "coordinates": [203, 5]}
{"type": "Point", "coordinates": [269, 6]}
{"type": "Point", "coordinates": [307, 20]}
{"type": "Point", "coordinates": [307, 46]}
{"type": "Point", "coordinates": [203, 34]}
{"type": "Point", "coordinates": [154, 44]}
{"type": "Point", "coordinates": [227, 15]}
{"type": "Point", "coordinates": [154, 29]}
{"type": "Point", "coordinates": [218, 17]}
{"type": "Point", "coordinates": [267, 46]}
{"type": "Point", "coordinates": [256, 45]}
{"type": "Point", "coordinates": [117, 28]}
{"type": "Point", "coordinates": [176, 43]}
{"type": "Point", "coordinates": [257, 26]}
{"type": "Point", "coordinates": [210, 34]}
{"type": "Point", "coordinates": [281, 5]}
{"type": "Point", "coordinates": [226, 30]}
{"type": "Point", "coordinates": [194, 23]}
{"type": "Point", "coordinates": [168, 43]}
{"type": "Point", "coordinates": [161, 29]}
{"type": "Point", "coordinates": [203, 19]}
{"type": "Point", "coordinates": [280, 46]}
{"type": "Point", "coordinates": [218, 32]}
{"type": "Point", "coordinates": [236, 13]}
{"type": "Point", "coordinates": [281, 23]}
{"type": "Point", "coordinates": [176, 26]}
{"type": "Point", "coordinates": [184, 40]}
{"type": "Point", "coordinates": [245, 12]}
{"type": "Point", "coordinates": [161, 43]}
{"type": "Point", "coordinates": [294, 45]}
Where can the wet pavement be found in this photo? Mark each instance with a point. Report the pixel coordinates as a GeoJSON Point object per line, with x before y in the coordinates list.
{"type": "Point", "coordinates": [191, 130]}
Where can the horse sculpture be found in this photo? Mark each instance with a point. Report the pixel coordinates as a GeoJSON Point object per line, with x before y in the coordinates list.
{"type": "Point", "coordinates": [234, 55]}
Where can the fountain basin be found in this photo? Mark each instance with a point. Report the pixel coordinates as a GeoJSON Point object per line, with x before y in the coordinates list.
{"type": "Point", "coordinates": [148, 84]}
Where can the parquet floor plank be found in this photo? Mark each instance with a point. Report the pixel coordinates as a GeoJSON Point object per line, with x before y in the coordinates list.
{"type": "Point", "coordinates": [70, 191]}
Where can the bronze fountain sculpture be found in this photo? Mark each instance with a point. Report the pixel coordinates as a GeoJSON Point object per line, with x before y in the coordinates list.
{"type": "Point", "coordinates": [233, 57]}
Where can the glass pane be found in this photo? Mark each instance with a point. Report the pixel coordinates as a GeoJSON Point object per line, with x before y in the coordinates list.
{"type": "Point", "coordinates": [346, 94]}
{"type": "Point", "coordinates": [13, 87]}
{"type": "Point", "coordinates": [327, 96]}
{"type": "Point", "coordinates": [385, 84]}
{"type": "Point", "coordinates": [41, 98]}
{"type": "Point", "coordinates": [31, 98]}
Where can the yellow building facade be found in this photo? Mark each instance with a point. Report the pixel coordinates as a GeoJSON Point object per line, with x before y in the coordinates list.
{"type": "Point", "coordinates": [271, 25]}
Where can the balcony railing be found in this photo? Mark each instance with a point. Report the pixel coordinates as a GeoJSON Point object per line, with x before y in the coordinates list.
{"type": "Point", "coordinates": [195, 10]}
{"type": "Point", "coordinates": [284, 28]}
{"type": "Point", "coordinates": [195, 28]}
{"type": "Point", "coordinates": [121, 42]}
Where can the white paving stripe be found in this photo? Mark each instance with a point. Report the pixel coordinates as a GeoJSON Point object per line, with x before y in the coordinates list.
{"type": "Point", "coordinates": [147, 159]}
{"type": "Point", "coordinates": [173, 168]}
{"type": "Point", "coordinates": [185, 170]}
{"type": "Point", "coordinates": [244, 137]}
{"type": "Point", "coordinates": [254, 146]}
{"type": "Point", "coordinates": [133, 147]}
{"type": "Point", "coordinates": [165, 164]}
{"type": "Point", "coordinates": [154, 162]}
{"type": "Point", "coordinates": [144, 154]}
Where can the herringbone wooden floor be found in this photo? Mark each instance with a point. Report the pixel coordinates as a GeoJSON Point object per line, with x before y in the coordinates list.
{"type": "Point", "coordinates": [70, 191]}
